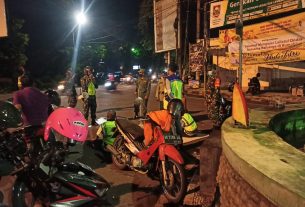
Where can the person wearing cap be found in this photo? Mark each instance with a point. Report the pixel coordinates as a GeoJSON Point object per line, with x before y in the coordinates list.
{"type": "Point", "coordinates": [143, 86]}
{"type": "Point", "coordinates": [107, 129]}
{"type": "Point", "coordinates": [173, 85]}
{"type": "Point", "coordinates": [160, 90]}
{"type": "Point", "coordinates": [89, 94]}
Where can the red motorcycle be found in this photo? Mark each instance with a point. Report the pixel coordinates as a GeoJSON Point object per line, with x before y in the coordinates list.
{"type": "Point", "coordinates": [159, 160]}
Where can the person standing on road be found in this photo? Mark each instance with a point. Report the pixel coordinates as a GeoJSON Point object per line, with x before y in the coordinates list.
{"type": "Point", "coordinates": [160, 90]}
{"type": "Point", "coordinates": [21, 71]}
{"type": "Point", "coordinates": [31, 102]}
{"type": "Point", "coordinates": [143, 86]}
{"type": "Point", "coordinates": [173, 85]}
{"type": "Point", "coordinates": [89, 94]}
{"type": "Point", "coordinates": [70, 89]}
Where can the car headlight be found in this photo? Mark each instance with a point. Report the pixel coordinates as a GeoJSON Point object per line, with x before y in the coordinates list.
{"type": "Point", "coordinates": [107, 84]}
{"type": "Point", "coordinates": [60, 87]}
{"type": "Point", "coordinates": [128, 79]}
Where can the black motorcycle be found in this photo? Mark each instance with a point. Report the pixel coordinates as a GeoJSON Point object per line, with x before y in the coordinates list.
{"type": "Point", "coordinates": [254, 86]}
{"type": "Point", "coordinates": [42, 174]}
{"type": "Point", "coordinates": [222, 109]}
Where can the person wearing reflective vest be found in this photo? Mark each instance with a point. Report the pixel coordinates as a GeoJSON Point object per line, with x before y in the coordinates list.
{"type": "Point", "coordinates": [189, 125]}
{"type": "Point", "coordinates": [173, 85]}
{"type": "Point", "coordinates": [107, 129]}
{"type": "Point", "coordinates": [89, 94]}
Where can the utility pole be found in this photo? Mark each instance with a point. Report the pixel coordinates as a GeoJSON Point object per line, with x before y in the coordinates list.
{"type": "Point", "coordinates": [205, 45]}
{"type": "Point", "coordinates": [197, 31]}
{"type": "Point", "coordinates": [239, 30]}
{"type": "Point", "coordinates": [198, 20]}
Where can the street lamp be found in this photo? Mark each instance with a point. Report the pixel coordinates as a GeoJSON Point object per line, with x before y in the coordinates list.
{"type": "Point", "coordinates": [81, 18]}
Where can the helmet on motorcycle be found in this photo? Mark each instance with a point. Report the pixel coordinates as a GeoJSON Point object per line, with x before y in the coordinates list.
{"type": "Point", "coordinates": [68, 122]}
{"type": "Point", "coordinates": [175, 107]}
{"type": "Point", "coordinates": [111, 115]}
{"type": "Point", "coordinates": [10, 117]}
{"type": "Point", "coordinates": [53, 96]}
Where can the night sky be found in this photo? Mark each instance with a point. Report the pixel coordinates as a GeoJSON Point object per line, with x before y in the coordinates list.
{"type": "Point", "coordinates": [49, 24]}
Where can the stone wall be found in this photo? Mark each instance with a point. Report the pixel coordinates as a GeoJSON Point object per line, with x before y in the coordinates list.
{"type": "Point", "coordinates": [235, 191]}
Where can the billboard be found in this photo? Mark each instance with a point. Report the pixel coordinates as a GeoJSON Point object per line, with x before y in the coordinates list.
{"type": "Point", "coordinates": [3, 26]}
{"type": "Point", "coordinates": [277, 41]}
{"type": "Point", "coordinates": [165, 13]}
{"type": "Point", "coordinates": [226, 12]}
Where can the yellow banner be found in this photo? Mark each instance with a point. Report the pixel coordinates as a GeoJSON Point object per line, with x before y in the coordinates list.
{"type": "Point", "coordinates": [275, 34]}
{"type": "Point", "coordinates": [269, 57]}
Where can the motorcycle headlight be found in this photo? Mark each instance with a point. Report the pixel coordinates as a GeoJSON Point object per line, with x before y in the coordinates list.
{"type": "Point", "coordinates": [107, 84]}
{"type": "Point", "coordinates": [128, 79]}
{"type": "Point", "coordinates": [153, 77]}
{"type": "Point", "coordinates": [60, 87]}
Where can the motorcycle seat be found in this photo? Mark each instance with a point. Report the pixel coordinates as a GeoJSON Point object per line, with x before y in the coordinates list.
{"type": "Point", "coordinates": [136, 132]}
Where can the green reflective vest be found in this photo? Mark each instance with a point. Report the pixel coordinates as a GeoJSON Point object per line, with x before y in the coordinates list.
{"type": "Point", "coordinates": [108, 132]}
{"type": "Point", "coordinates": [176, 88]}
{"type": "Point", "coordinates": [189, 123]}
{"type": "Point", "coordinates": [91, 89]}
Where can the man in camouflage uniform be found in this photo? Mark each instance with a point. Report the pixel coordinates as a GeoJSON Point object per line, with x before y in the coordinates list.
{"type": "Point", "coordinates": [89, 94]}
{"type": "Point", "coordinates": [143, 85]}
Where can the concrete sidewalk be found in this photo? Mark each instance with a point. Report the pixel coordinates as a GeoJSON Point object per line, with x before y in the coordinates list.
{"type": "Point", "coordinates": [265, 98]}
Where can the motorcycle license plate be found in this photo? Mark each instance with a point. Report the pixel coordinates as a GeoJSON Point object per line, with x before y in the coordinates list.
{"type": "Point", "coordinates": [171, 139]}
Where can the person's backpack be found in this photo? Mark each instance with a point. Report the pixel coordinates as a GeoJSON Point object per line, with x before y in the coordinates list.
{"type": "Point", "coordinates": [91, 89]}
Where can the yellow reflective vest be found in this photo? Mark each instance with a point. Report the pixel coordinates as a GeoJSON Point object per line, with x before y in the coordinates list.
{"type": "Point", "coordinates": [189, 123]}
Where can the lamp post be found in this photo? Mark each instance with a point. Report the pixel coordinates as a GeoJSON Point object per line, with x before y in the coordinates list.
{"type": "Point", "coordinates": [239, 31]}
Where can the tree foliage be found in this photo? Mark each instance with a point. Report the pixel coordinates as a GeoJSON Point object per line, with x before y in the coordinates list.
{"type": "Point", "coordinates": [12, 48]}
{"type": "Point", "coordinates": [146, 31]}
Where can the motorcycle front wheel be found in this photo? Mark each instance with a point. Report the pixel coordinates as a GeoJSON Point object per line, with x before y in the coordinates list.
{"type": "Point", "coordinates": [116, 159]}
{"type": "Point", "coordinates": [175, 186]}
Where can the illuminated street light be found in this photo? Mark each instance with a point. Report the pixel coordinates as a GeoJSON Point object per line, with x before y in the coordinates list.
{"type": "Point", "coordinates": [81, 18]}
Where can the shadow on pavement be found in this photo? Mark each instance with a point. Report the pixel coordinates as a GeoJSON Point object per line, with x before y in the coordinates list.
{"type": "Point", "coordinates": [115, 109]}
{"type": "Point", "coordinates": [200, 117]}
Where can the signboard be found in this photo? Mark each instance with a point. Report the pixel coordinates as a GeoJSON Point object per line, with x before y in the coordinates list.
{"type": "Point", "coordinates": [165, 13]}
{"type": "Point", "coordinates": [196, 56]}
{"type": "Point", "coordinates": [274, 56]}
{"type": "Point", "coordinates": [135, 67]}
{"type": "Point", "coordinates": [226, 12]}
{"type": "Point", "coordinates": [276, 41]}
{"type": "Point", "coordinates": [3, 26]}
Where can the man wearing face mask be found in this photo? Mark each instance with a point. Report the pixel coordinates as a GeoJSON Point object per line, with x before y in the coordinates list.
{"type": "Point", "coordinates": [143, 86]}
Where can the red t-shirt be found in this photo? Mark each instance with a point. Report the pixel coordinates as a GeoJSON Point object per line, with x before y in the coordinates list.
{"type": "Point", "coordinates": [34, 105]}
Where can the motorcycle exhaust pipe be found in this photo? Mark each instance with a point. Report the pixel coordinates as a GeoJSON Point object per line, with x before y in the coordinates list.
{"type": "Point", "coordinates": [112, 150]}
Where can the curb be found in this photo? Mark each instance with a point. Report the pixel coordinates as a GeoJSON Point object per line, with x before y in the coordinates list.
{"type": "Point", "coordinates": [263, 99]}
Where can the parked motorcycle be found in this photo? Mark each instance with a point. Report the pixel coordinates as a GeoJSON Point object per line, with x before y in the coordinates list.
{"type": "Point", "coordinates": [222, 109]}
{"type": "Point", "coordinates": [254, 86]}
{"type": "Point", "coordinates": [42, 175]}
{"type": "Point", "coordinates": [160, 160]}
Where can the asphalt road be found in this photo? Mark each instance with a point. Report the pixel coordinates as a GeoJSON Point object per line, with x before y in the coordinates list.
{"type": "Point", "coordinates": [128, 187]}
